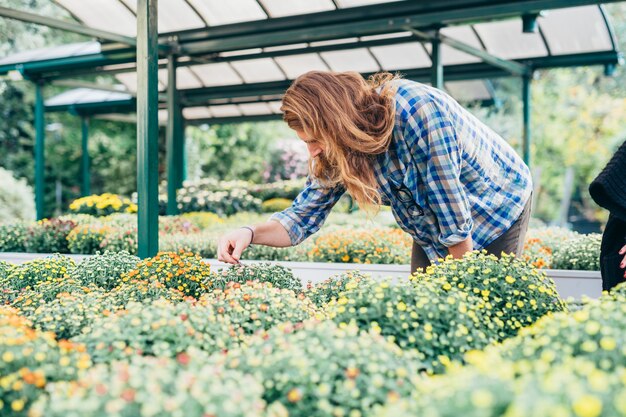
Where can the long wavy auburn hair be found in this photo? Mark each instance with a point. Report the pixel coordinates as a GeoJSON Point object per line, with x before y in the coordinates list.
{"type": "Point", "coordinates": [352, 119]}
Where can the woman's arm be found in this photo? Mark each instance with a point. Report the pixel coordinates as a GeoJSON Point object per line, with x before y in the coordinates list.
{"type": "Point", "coordinates": [457, 251]}
{"type": "Point", "coordinates": [231, 245]}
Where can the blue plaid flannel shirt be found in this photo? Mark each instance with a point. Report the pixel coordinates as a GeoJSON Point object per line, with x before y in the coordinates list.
{"type": "Point", "coordinates": [445, 175]}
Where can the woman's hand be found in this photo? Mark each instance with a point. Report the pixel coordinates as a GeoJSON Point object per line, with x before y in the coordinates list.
{"type": "Point", "coordinates": [231, 245]}
{"type": "Point", "coordinates": [622, 251]}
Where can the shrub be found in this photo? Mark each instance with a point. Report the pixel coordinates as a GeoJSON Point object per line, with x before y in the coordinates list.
{"type": "Point", "coordinates": [162, 387]}
{"type": "Point", "coordinates": [268, 253]}
{"type": "Point", "coordinates": [182, 270]}
{"type": "Point", "coordinates": [157, 328]}
{"type": "Point", "coordinates": [203, 243]}
{"type": "Point", "coordinates": [376, 246]}
{"type": "Point", "coordinates": [103, 205]}
{"type": "Point", "coordinates": [17, 201]}
{"type": "Point", "coordinates": [513, 292]}
{"type": "Point", "coordinates": [439, 324]}
{"type": "Point", "coordinates": [12, 237]}
{"type": "Point", "coordinates": [319, 369]}
{"type": "Point", "coordinates": [52, 269]}
{"type": "Point", "coordinates": [87, 239]}
{"type": "Point", "coordinates": [120, 239]}
{"type": "Point", "coordinates": [277, 275]}
{"type": "Point", "coordinates": [221, 198]}
{"type": "Point", "coordinates": [257, 306]}
{"type": "Point", "coordinates": [275, 204]}
{"type": "Point", "coordinates": [48, 236]}
{"type": "Point", "coordinates": [48, 290]}
{"type": "Point", "coordinates": [597, 333]}
{"type": "Point", "coordinates": [176, 225]}
{"type": "Point", "coordinates": [541, 243]}
{"type": "Point", "coordinates": [582, 253]}
{"type": "Point", "coordinates": [288, 189]}
{"type": "Point", "coordinates": [5, 268]}
{"type": "Point", "coordinates": [30, 360]}
{"type": "Point", "coordinates": [203, 220]}
{"type": "Point", "coordinates": [322, 293]}
{"type": "Point", "coordinates": [502, 388]}
{"type": "Point", "coordinates": [104, 270]}
{"type": "Point", "coordinates": [69, 313]}
{"type": "Point", "coordinates": [143, 290]}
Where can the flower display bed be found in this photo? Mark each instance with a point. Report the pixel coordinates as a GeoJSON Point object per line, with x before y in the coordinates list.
{"type": "Point", "coordinates": [569, 283]}
{"type": "Point", "coordinates": [171, 335]}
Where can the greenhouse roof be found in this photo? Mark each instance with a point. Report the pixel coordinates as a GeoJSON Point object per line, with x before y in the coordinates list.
{"type": "Point", "coordinates": [218, 79]}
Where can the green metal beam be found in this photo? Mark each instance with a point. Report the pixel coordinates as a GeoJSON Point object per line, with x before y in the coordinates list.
{"type": "Point", "coordinates": [436, 77]}
{"type": "Point", "coordinates": [527, 101]}
{"type": "Point", "coordinates": [237, 119]}
{"type": "Point", "coordinates": [147, 129]}
{"type": "Point", "coordinates": [63, 25]}
{"type": "Point", "coordinates": [357, 21]}
{"type": "Point", "coordinates": [173, 138]}
{"type": "Point", "coordinates": [85, 188]}
{"type": "Point", "coordinates": [91, 86]}
{"type": "Point", "coordinates": [515, 68]}
{"type": "Point", "coordinates": [40, 132]}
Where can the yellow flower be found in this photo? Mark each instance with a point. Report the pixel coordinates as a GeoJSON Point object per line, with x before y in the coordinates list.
{"type": "Point", "coordinates": [587, 406]}
{"type": "Point", "coordinates": [8, 356]}
{"type": "Point", "coordinates": [509, 279]}
{"type": "Point", "coordinates": [608, 343]}
{"type": "Point", "coordinates": [401, 306]}
{"type": "Point", "coordinates": [17, 405]}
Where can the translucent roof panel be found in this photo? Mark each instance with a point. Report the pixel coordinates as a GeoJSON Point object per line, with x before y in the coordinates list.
{"type": "Point", "coordinates": [86, 95]}
{"type": "Point", "coordinates": [575, 30]}
{"type": "Point", "coordinates": [190, 113]}
{"type": "Point", "coordinates": [296, 65]}
{"type": "Point", "coordinates": [255, 109]}
{"type": "Point", "coordinates": [185, 78]}
{"type": "Point", "coordinates": [258, 70]}
{"type": "Point", "coordinates": [275, 106]}
{"type": "Point", "coordinates": [452, 56]}
{"type": "Point", "coordinates": [231, 11]}
{"type": "Point", "coordinates": [227, 110]}
{"type": "Point", "coordinates": [109, 15]}
{"type": "Point", "coordinates": [174, 15]}
{"type": "Point", "coordinates": [129, 79]}
{"type": "Point", "coordinates": [402, 56]}
{"type": "Point", "coordinates": [73, 49]}
{"type": "Point", "coordinates": [280, 8]}
{"type": "Point", "coordinates": [217, 74]}
{"type": "Point", "coordinates": [474, 90]}
{"type": "Point", "coordinates": [356, 3]}
{"type": "Point", "coordinates": [505, 39]}
{"type": "Point", "coordinates": [351, 60]}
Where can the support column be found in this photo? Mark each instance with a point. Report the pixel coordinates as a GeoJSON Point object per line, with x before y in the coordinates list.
{"type": "Point", "coordinates": [183, 129]}
{"type": "Point", "coordinates": [526, 84]}
{"type": "Point", "coordinates": [40, 137]}
{"type": "Point", "coordinates": [147, 129]}
{"type": "Point", "coordinates": [85, 188]}
{"type": "Point", "coordinates": [436, 78]}
{"type": "Point", "coordinates": [174, 138]}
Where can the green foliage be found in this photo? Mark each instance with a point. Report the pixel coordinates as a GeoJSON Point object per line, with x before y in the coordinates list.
{"type": "Point", "coordinates": [104, 270]}
{"type": "Point", "coordinates": [17, 201]}
{"type": "Point", "coordinates": [102, 205]}
{"type": "Point", "coordinates": [277, 275]}
{"type": "Point", "coordinates": [327, 290]}
{"type": "Point", "coordinates": [27, 275]}
{"type": "Point", "coordinates": [513, 293]}
{"type": "Point", "coordinates": [582, 253]}
{"type": "Point", "coordinates": [321, 370]}
{"type": "Point", "coordinates": [48, 236]}
{"type": "Point", "coordinates": [439, 324]}
{"type": "Point", "coordinates": [12, 237]}
{"type": "Point", "coordinates": [186, 385]}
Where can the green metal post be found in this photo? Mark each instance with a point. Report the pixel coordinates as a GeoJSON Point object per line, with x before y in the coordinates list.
{"type": "Point", "coordinates": [40, 137]}
{"type": "Point", "coordinates": [436, 78]}
{"type": "Point", "coordinates": [174, 138]}
{"type": "Point", "coordinates": [183, 129]}
{"type": "Point", "coordinates": [526, 80]}
{"type": "Point", "coordinates": [84, 162]}
{"type": "Point", "coordinates": [147, 129]}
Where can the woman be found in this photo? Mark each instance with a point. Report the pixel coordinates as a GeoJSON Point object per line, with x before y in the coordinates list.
{"type": "Point", "coordinates": [609, 191]}
{"type": "Point", "coordinates": [452, 183]}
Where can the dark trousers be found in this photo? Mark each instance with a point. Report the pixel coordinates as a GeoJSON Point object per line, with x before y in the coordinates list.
{"type": "Point", "coordinates": [613, 238]}
{"type": "Point", "coordinates": [511, 241]}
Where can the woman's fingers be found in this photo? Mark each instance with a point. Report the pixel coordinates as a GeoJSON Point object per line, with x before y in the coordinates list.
{"type": "Point", "coordinates": [622, 250]}
{"type": "Point", "coordinates": [224, 250]}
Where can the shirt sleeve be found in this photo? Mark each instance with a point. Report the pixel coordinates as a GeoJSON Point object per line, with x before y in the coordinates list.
{"type": "Point", "coordinates": [434, 132]}
{"type": "Point", "coordinates": [308, 211]}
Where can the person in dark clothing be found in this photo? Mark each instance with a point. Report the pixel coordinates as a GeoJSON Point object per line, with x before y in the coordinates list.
{"type": "Point", "coordinates": [609, 191]}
